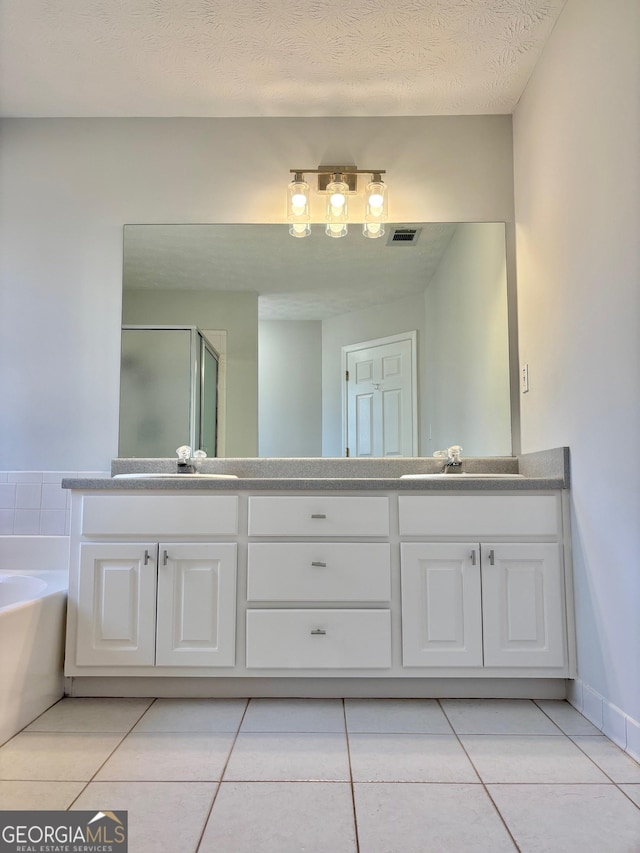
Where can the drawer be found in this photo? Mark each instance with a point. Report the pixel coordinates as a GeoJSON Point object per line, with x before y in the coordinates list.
{"type": "Point", "coordinates": [318, 639]}
{"type": "Point", "coordinates": [318, 516]}
{"type": "Point", "coordinates": [319, 571]}
{"type": "Point", "coordinates": [481, 516]}
{"type": "Point", "coordinates": [159, 515]}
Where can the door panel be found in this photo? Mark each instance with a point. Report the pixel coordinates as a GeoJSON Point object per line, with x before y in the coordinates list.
{"type": "Point", "coordinates": [196, 605]}
{"type": "Point", "coordinates": [116, 604]}
{"type": "Point", "coordinates": [441, 604]}
{"type": "Point", "coordinates": [523, 605]}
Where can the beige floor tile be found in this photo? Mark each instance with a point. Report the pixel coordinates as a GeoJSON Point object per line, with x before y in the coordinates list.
{"type": "Point", "coordinates": [632, 791]}
{"type": "Point", "coordinates": [169, 757]}
{"type": "Point", "coordinates": [497, 716]}
{"type": "Point", "coordinates": [294, 715]}
{"type": "Point", "coordinates": [60, 757]}
{"type": "Point", "coordinates": [34, 796]}
{"type": "Point", "coordinates": [285, 817]}
{"type": "Point", "coordinates": [163, 817]}
{"type": "Point", "coordinates": [396, 715]}
{"type": "Point", "coordinates": [566, 717]}
{"type": "Point", "coordinates": [434, 818]}
{"type": "Point", "coordinates": [569, 818]}
{"type": "Point", "coordinates": [518, 758]}
{"type": "Point", "coordinates": [91, 715]}
{"type": "Point", "coordinates": [409, 758]}
{"type": "Point", "coordinates": [299, 757]}
{"type": "Point", "coordinates": [193, 715]}
{"type": "Point", "coordinates": [610, 758]}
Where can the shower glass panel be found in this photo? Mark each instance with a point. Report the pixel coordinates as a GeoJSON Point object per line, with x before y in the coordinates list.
{"type": "Point", "coordinates": [161, 392]}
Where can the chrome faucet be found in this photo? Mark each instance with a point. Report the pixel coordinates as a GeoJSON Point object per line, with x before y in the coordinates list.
{"type": "Point", "coordinates": [453, 465]}
{"type": "Point", "coordinates": [188, 463]}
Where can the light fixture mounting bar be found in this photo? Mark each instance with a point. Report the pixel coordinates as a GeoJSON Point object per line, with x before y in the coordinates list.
{"type": "Point", "coordinates": [325, 175]}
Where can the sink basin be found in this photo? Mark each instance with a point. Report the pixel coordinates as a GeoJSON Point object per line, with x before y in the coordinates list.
{"type": "Point", "coordinates": [148, 476]}
{"type": "Point", "coordinates": [469, 475]}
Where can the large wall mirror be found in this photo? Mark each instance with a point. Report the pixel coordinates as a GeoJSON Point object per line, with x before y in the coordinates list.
{"type": "Point", "coordinates": [284, 315]}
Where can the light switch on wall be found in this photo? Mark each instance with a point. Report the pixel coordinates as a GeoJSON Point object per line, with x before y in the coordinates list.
{"type": "Point", "coordinates": [524, 378]}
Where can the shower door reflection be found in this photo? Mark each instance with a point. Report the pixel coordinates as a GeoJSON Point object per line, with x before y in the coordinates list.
{"type": "Point", "coordinates": [168, 391]}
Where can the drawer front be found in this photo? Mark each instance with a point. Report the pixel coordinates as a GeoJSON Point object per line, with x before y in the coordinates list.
{"type": "Point", "coordinates": [318, 516]}
{"type": "Point", "coordinates": [319, 571]}
{"type": "Point", "coordinates": [159, 515]}
{"type": "Point", "coordinates": [318, 639]}
{"type": "Point", "coordinates": [481, 516]}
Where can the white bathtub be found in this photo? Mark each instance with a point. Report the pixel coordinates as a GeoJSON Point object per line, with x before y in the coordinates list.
{"type": "Point", "coordinates": [33, 595]}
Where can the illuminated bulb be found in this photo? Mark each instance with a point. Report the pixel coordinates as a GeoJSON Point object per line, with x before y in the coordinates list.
{"type": "Point", "coordinates": [298, 204]}
{"type": "Point", "coordinates": [300, 229]}
{"type": "Point", "coordinates": [336, 229]}
{"type": "Point", "coordinates": [337, 202]}
{"type": "Point", "coordinates": [376, 202]}
{"type": "Point", "coordinates": [373, 229]}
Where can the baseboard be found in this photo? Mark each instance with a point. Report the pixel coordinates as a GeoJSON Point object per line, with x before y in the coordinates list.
{"type": "Point", "coordinates": [465, 688]}
{"type": "Point", "coordinates": [619, 727]}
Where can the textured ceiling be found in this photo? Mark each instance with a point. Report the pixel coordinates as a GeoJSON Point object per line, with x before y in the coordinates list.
{"type": "Point", "coordinates": [268, 57]}
{"type": "Point", "coordinates": [309, 279]}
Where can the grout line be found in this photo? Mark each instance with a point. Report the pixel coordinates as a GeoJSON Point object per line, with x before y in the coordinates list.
{"type": "Point", "coordinates": [484, 787]}
{"type": "Point", "coordinates": [116, 747]}
{"type": "Point", "coordinates": [353, 792]}
{"type": "Point", "coordinates": [223, 771]}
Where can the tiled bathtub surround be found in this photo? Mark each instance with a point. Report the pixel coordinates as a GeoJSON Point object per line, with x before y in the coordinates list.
{"type": "Point", "coordinates": [341, 776]}
{"type": "Point", "coordinates": [32, 503]}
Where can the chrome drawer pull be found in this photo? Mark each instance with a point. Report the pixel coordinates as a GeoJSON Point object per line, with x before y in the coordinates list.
{"type": "Point", "coordinates": [492, 558]}
{"type": "Point", "coordinates": [473, 558]}
{"type": "Point", "coordinates": [147, 557]}
{"type": "Point", "coordinates": [318, 515]}
{"type": "Point", "coordinates": [165, 558]}
{"type": "Point", "coordinates": [319, 564]}
{"type": "Point", "coordinates": [318, 632]}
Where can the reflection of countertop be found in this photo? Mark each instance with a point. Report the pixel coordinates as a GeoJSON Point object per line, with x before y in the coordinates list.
{"type": "Point", "coordinates": [319, 484]}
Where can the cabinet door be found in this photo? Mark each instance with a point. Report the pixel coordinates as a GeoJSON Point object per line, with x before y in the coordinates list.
{"type": "Point", "coordinates": [196, 605]}
{"type": "Point", "coordinates": [441, 604]}
{"type": "Point", "coordinates": [523, 605]}
{"type": "Point", "coordinates": [116, 604]}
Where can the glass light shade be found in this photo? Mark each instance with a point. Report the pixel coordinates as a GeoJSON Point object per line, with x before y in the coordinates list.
{"type": "Point", "coordinates": [337, 203]}
{"type": "Point", "coordinates": [336, 229]}
{"type": "Point", "coordinates": [298, 201]}
{"type": "Point", "coordinates": [373, 229]}
{"type": "Point", "coordinates": [376, 204]}
{"type": "Point", "coordinates": [299, 229]}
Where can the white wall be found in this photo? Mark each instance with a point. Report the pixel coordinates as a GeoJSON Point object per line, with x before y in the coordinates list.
{"type": "Point", "coordinates": [290, 388]}
{"type": "Point", "coordinates": [577, 191]}
{"type": "Point", "coordinates": [67, 186]}
{"type": "Point", "coordinates": [466, 366]}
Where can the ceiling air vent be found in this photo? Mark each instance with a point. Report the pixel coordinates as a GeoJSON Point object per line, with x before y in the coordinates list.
{"type": "Point", "coordinates": [399, 236]}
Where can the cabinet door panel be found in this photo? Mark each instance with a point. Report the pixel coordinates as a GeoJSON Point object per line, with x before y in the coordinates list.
{"type": "Point", "coordinates": [116, 604]}
{"type": "Point", "coordinates": [523, 605]}
{"type": "Point", "coordinates": [441, 605]}
{"type": "Point", "coordinates": [196, 605]}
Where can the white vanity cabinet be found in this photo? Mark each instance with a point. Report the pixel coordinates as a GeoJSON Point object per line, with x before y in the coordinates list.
{"type": "Point", "coordinates": [161, 604]}
{"type": "Point", "coordinates": [333, 597]}
{"type": "Point", "coordinates": [157, 602]}
{"type": "Point", "coordinates": [495, 603]}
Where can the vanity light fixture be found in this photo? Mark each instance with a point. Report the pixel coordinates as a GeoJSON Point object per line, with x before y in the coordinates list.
{"type": "Point", "coordinates": [337, 183]}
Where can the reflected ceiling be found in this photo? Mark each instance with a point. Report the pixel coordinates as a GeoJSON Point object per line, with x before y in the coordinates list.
{"type": "Point", "coordinates": [309, 279]}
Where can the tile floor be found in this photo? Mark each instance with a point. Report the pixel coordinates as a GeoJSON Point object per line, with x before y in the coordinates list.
{"type": "Point", "coordinates": [332, 776]}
